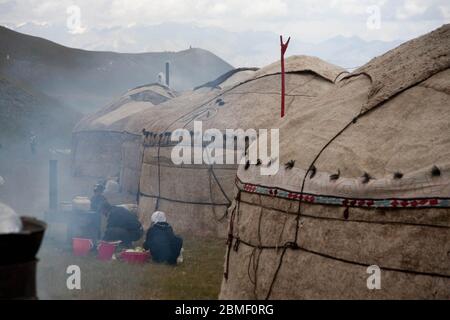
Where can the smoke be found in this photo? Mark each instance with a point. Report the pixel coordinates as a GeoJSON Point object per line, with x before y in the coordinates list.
{"type": "Point", "coordinates": [35, 104]}
{"type": "Point", "coordinates": [88, 80]}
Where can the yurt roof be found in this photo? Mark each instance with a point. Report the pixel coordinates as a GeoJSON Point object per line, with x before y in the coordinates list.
{"type": "Point", "coordinates": [254, 101]}
{"type": "Point", "coordinates": [302, 63]}
{"type": "Point", "coordinates": [381, 132]}
{"type": "Point", "coordinates": [295, 63]}
{"type": "Point", "coordinates": [116, 115]}
{"type": "Point", "coordinates": [157, 88]}
{"type": "Point", "coordinates": [239, 77]}
{"type": "Point", "coordinates": [229, 78]}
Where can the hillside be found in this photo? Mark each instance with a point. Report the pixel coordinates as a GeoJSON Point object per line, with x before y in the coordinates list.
{"type": "Point", "coordinates": [87, 80]}
{"type": "Point", "coordinates": [24, 110]}
{"type": "Point", "coordinates": [240, 48]}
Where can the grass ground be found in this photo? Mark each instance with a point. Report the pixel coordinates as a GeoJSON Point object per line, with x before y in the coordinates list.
{"type": "Point", "coordinates": [199, 277]}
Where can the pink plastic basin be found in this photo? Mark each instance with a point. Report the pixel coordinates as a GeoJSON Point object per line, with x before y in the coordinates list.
{"type": "Point", "coordinates": [81, 246]}
{"type": "Point", "coordinates": [106, 250]}
{"type": "Point", "coordinates": [135, 257]}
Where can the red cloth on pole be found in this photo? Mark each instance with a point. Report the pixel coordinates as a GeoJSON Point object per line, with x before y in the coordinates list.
{"type": "Point", "coordinates": [284, 47]}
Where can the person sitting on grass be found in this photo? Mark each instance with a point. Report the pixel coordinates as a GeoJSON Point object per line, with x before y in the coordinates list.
{"type": "Point", "coordinates": [122, 225]}
{"type": "Point", "coordinates": [164, 245]}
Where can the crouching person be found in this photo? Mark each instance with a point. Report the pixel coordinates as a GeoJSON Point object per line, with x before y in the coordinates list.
{"type": "Point", "coordinates": [164, 245]}
{"type": "Point", "coordinates": [98, 199]}
{"type": "Point", "coordinates": [121, 225]}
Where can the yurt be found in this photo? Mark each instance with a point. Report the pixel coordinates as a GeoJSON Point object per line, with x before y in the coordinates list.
{"type": "Point", "coordinates": [195, 197]}
{"type": "Point", "coordinates": [105, 145]}
{"type": "Point", "coordinates": [362, 210]}
{"type": "Point", "coordinates": [229, 79]}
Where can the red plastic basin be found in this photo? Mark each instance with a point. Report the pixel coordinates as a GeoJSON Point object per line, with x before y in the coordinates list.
{"type": "Point", "coordinates": [135, 257]}
{"type": "Point", "coordinates": [81, 246]}
{"type": "Point", "coordinates": [106, 250]}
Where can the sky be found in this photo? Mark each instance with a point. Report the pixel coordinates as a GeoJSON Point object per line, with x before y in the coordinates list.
{"type": "Point", "coordinates": [70, 21]}
{"type": "Point", "coordinates": [313, 20]}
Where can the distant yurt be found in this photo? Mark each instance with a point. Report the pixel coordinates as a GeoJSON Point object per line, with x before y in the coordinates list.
{"type": "Point", "coordinates": [195, 197]}
{"type": "Point", "coordinates": [364, 212]}
{"type": "Point", "coordinates": [105, 144]}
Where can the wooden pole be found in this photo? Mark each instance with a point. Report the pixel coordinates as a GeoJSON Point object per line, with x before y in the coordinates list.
{"type": "Point", "coordinates": [284, 47]}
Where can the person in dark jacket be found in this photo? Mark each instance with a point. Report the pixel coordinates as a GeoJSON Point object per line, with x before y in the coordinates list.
{"type": "Point", "coordinates": [164, 245]}
{"type": "Point", "coordinates": [98, 199]}
{"type": "Point", "coordinates": [121, 225]}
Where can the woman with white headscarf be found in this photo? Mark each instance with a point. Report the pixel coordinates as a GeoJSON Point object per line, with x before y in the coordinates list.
{"type": "Point", "coordinates": [163, 244]}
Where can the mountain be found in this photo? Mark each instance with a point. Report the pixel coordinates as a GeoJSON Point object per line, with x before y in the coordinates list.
{"type": "Point", "coordinates": [348, 52]}
{"type": "Point", "coordinates": [24, 110]}
{"type": "Point", "coordinates": [87, 80]}
{"type": "Point", "coordinates": [244, 49]}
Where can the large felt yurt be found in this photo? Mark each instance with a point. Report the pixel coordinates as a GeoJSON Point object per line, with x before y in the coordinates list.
{"type": "Point", "coordinates": [195, 197]}
{"type": "Point", "coordinates": [365, 211]}
{"type": "Point", "coordinates": [106, 144]}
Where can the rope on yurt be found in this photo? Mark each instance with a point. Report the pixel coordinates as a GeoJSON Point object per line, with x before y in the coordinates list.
{"type": "Point", "coordinates": [253, 258]}
{"type": "Point", "coordinates": [294, 243]}
{"type": "Point", "coordinates": [192, 167]}
{"type": "Point", "coordinates": [224, 77]}
{"type": "Point", "coordinates": [211, 168]}
{"type": "Point", "coordinates": [158, 197]}
{"type": "Point", "coordinates": [238, 200]}
{"type": "Point", "coordinates": [352, 75]}
{"type": "Point", "coordinates": [253, 264]}
{"type": "Point", "coordinates": [175, 121]}
{"type": "Point", "coordinates": [354, 120]}
{"type": "Point", "coordinates": [183, 201]}
{"type": "Point", "coordinates": [220, 186]}
{"type": "Point", "coordinates": [231, 235]}
{"type": "Point", "coordinates": [213, 174]}
{"type": "Point", "coordinates": [303, 215]}
{"type": "Point", "coordinates": [228, 91]}
{"type": "Point", "coordinates": [121, 167]}
{"type": "Point", "coordinates": [107, 132]}
{"type": "Point", "coordinates": [340, 73]}
{"type": "Point", "coordinates": [159, 173]}
{"type": "Point", "coordinates": [211, 198]}
{"type": "Point", "coordinates": [249, 265]}
{"type": "Point", "coordinates": [282, 229]}
{"type": "Point", "coordinates": [206, 103]}
{"type": "Point", "coordinates": [142, 161]}
{"type": "Point", "coordinates": [273, 93]}
{"type": "Point", "coordinates": [328, 256]}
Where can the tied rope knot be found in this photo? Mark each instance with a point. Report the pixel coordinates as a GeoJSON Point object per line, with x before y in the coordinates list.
{"type": "Point", "coordinates": [230, 239]}
{"type": "Point", "coordinates": [291, 245]}
{"type": "Point", "coordinates": [236, 244]}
